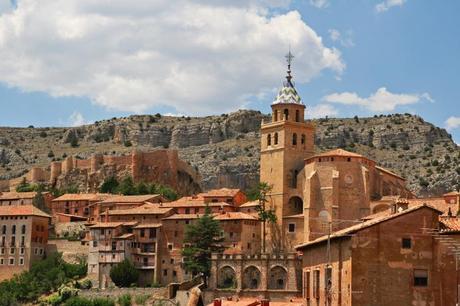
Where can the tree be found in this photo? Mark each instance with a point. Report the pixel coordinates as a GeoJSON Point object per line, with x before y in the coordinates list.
{"type": "Point", "coordinates": [109, 185]}
{"type": "Point", "coordinates": [201, 239]}
{"type": "Point", "coordinates": [265, 214]}
{"type": "Point", "coordinates": [127, 187]}
{"type": "Point", "coordinates": [124, 274]}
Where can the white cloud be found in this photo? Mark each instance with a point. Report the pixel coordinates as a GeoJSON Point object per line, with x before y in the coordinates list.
{"type": "Point", "coordinates": [76, 119]}
{"type": "Point", "coordinates": [321, 111]}
{"type": "Point", "coordinates": [452, 123]}
{"type": "Point", "coordinates": [380, 101]}
{"type": "Point", "coordinates": [387, 4]}
{"type": "Point", "coordinates": [345, 40]}
{"type": "Point", "coordinates": [319, 3]}
{"type": "Point", "coordinates": [197, 57]}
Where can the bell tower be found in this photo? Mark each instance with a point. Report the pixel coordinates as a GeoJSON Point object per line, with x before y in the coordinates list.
{"type": "Point", "coordinates": [285, 142]}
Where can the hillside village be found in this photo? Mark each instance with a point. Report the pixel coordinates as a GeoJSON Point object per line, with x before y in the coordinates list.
{"type": "Point", "coordinates": [300, 237]}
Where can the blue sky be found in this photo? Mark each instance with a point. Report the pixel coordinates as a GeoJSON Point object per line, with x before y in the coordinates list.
{"type": "Point", "coordinates": [387, 56]}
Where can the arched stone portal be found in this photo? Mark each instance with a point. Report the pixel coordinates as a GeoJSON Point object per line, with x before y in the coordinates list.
{"type": "Point", "coordinates": [294, 206]}
{"type": "Point", "coordinates": [251, 278]}
{"type": "Point", "coordinates": [227, 278]}
{"type": "Point", "coordinates": [277, 278]}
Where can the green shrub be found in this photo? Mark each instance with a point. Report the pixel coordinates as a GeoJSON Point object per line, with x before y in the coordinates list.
{"type": "Point", "coordinates": [86, 284]}
{"type": "Point", "coordinates": [141, 299]}
{"type": "Point", "coordinates": [124, 274]}
{"type": "Point", "coordinates": [124, 300]}
{"type": "Point", "coordinates": [102, 302]}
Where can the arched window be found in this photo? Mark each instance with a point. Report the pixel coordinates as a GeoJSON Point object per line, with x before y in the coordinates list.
{"type": "Point", "coordinates": [23, 229]}
{"type": "Point", "coordinates": [297, 119]}
{"type": "Point", "coordinates": [294, 139]}
{"type": "Point", "coordinates": [4, 229]}
{"type": "Point", "coordinates": [302, 139]}
{"type": "Point", "coordinates": [286, 114]}
{"type": "Point", "coordinates": [276, 138]}
{"type": "Point", "coordinates": [269, 140]}
{"type": "Point", "coordinates": [13, 229]}
{"type": "Point", "coordinates": [275, 117]}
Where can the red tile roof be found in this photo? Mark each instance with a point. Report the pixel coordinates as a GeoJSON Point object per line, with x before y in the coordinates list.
{"type": "Point", "coordinates": [131, 198]}
{"type": "Point", "coordinates": [222, 192]}
{"type": "Point", "coordinates": [250, 204]}
{"type": "Point", "coordinates": [355, 228]}
{"type": "Point", "coordinates": [17, 195]}
{"type": "Point", "coordinates": [146, 209]}
{"type": "Point", "coordinates": [148, 225]}
{"type": "Point", "coordinates": [83, 197]}
{"type": "Point", "coordinates": [450, 224]}
{"type": "Point", "coordinates": [234, 216]}
{"type": "Point", "coordinates": [22, 210]}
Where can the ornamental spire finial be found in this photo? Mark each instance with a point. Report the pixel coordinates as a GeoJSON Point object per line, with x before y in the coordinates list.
{"type": "Point", "coordinates": [289, 58]}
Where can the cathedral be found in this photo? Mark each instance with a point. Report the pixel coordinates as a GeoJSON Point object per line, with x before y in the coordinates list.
{"type": "Point", "coordinates": [314, 193]}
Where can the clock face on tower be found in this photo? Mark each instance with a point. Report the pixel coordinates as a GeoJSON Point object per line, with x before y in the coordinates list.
{"type": "Point", "coordinates": [348, 179]}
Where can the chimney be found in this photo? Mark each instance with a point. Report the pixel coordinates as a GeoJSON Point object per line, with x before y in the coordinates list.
{"type": "Point", "coordinates": [265, 302]}
{"type": "Point", "coordinates": [217, 302]}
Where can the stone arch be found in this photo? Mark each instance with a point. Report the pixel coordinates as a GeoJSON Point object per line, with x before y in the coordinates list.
{"type": "Point", "coordinates": [227, 278]}
{"type": "Point", "coordinates": [277, 278]}
{"type": "Point", "coordinates": [251, 278]}
{"type": "Point", "coordinates": [294, 206]}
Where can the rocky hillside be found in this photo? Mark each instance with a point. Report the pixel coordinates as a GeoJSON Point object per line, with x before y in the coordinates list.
{"type": "Point", "coordinates": [225, 148]}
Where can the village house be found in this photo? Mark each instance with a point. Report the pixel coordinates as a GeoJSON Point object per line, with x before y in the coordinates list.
{"type": "Point", "coordinates": [23, 198]}
{"type": "Point", "coordinates": [23, 238]}
{"type": "Point", "coordinates": [391, 259]}
{"type": "Point", "coordinates": [75, 206]}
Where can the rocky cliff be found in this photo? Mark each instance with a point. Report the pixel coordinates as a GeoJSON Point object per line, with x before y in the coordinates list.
{"type": "Point", "coordinates": [225, 148]}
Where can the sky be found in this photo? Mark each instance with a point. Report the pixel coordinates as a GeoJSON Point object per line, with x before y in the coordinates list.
{"type": "Point", "coordinates": [72, 62]}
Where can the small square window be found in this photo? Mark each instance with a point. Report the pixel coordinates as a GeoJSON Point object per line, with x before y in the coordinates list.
{"type": "Point", "coordinates": [11, 262]}
{"type": "Point", "coordinates": [170, 246]}
{"type": "Point", "coordinates": [291, 228]}
{"type": "Point", "coordinates": [420, 278]}
{"type": "Point", "coordinates": [406, 243]}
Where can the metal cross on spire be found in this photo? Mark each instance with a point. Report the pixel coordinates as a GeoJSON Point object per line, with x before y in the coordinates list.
{"type": "Point", "coordinates": [289, 58]}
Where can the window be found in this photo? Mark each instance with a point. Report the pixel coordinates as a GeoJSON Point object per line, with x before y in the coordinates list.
{"type": "Point", "coordinates": [294, 139]}
{"type": "Point", "coordinates": [249, 245]}
{"type": "Point", "coordinates": [420, 278]}
{"type": "Point", "coordinates": [276, 139]}
{"type": "Point", "coordinates": [2, 251]}
{"type": "Point", "coordinates": [165, 272]}
{"type": "Point", "coordinates": [187, 210]}
{"type": "Point", "coordinates": [22, 251]}
{"type": "Point", "coordinates": [291, 228]}
{"type": "Point", "coordinates": [4, 230]}
{"type": "Point", "coordinates": [114, 246]}
{"type": "Point", "coordinates": [297, 119]}
{"type": "Point", "coordinates": [35, 251]}
{"type": "Point", "coordinates": [175, 233]}
{"type": "Point", "coordinates": [286, 114]}
{"type": "Point", "coordinates": [230, 234]}
{"type": "Point", "coordinates": [21, 261]}
{"type": "Point", "coordinates": [13, 229]}
{"type": "Point", "coordinates": [406, 243]}
{"type": "Point", "coordinates": [174, 273]}
{"type": "Point", "coordinates": [3, 241]}
{"type": "Point", "coordinates": [23, 238]}
{"type": "Point", "coordinates": [171, 261]}
{"type": "Point", "coordinates": [328, 279]}
{"type": "Point", "coordinates": [316, 284]}
{"type": "Point", "coordinates": [41, 251]}
{"type": "Point", "coordinates": [2, 262]}
{"type": "Point", "coordinates": [12, 250]}
{"type": "Point", "coordinates": [187, 221]}
{"type": "Point", "coordinates": [170, 246]}
{"type": "Point", "coordinates": [94, 243]}
{"type": "Point", "coordinates": [348, 159]}
{"type": "Point", "coordinates": [11, 262]}
{"type": "Point", "coordinates": [302, 139]}
{"type": "Point", "coordinates": [23, 229]}
{"type": "Point", "coordinates": [153, 233]}
{"type": "Point", "coordinates": [306, 285]}
{"type": "Point", "coordinates": [142, 232]}
{"type": "Point", "coordinates": [276, 115]}
{"type": "Point", "coordinates": [269, 140]}
{"type": "Point", "coordinates": [102, 232]}
{"type": "Point", "coordinates": [13, 241]}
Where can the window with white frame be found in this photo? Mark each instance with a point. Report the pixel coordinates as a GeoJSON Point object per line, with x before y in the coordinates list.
{"type": "Point", "coordinates": [21, 261]}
